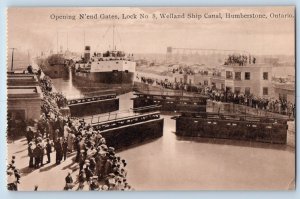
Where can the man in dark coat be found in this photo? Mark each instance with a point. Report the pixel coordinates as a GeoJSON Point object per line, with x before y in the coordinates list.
{"type": "Point", "coordinates": [48, 150]}
{"type": "Point", "coordinates": [41, 154]}
{"type": "Point", "coordinates": [36, 155]}
{"type": "Point", "coordinates": [30, 154]}
{"type": "Point", "coordinates": [30, 135]}
{"type": "Point", "coordinates": [65, 148]}
{"type": "Point", "coordinates": [69, 182]}
{"type": "Point", "coordinates": [58, 149]}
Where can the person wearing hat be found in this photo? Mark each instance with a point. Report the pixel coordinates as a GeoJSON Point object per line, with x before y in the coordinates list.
{"type": "Point", "coordinates": [92, 164]}
{"type": "Point", "coordinates": [30, 154]}
{"type": "Point", "coordinates": [36, 156]}
{"type": "Point", "coordinates": [42, 152]}
{"type": "Point", "coordinates": [81, 159]}
{"type": "Point", "coordinates": [94, 185]}
{"type": "Point", "coordinates": [11, 181]}
{"type": "Point", "coordinates": [55, 135]}
{"type": "Point", "coordinates": [81, 179]}
{"type": "Point", "coordinates": [123, 173]}
{"type": "Point", "coordinates": [29, 135]}
{"type": "Point", "coordinates": [88, 172]}
{"type": "Point", "coordinates": [66, 130]}
{"type": "Point", "coordinates": [119, 185]}
{"type": "Point", "coordinates": [108, 166]}
{"type": "Point", "coordinates": [65, 148]}
{"type": "Point", "coordinates": [69, 182]}
{"type": "Point", "coordinates": [58, 149]}
{"type": "Point", "coordinates": [48, 150]}
{"type": "Point", "coordinates": [104, 188]}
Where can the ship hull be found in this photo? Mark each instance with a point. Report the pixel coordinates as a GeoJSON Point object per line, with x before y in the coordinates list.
{"type": "Point", "coordinates": [56, 71]}
{"type": "Point", "coordinates": [120, 81]}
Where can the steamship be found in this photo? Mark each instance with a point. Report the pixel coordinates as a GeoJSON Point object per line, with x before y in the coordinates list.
{"type": "Point", "coordinates": [112, 69]}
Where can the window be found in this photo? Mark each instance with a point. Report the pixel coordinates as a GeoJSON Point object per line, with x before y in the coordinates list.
{"type": "Point", "coordinates": [190, 81]}
{"type": "Point", "coordinates": [238, 76]}
{"type": "Point", "coordinates": [237, 90]}
{"type": "Point", "coordinates": [228, 89]}
{"type": "Point", "coordinates": [205, 73]}
{"type": "Point", "coordinates": [180, 80]}
{"type": "Point", "coordinates": [228, 75]}
{"type": "Point", "coordinates": [175, 79]}
{"type": "Point", "coordinates": [265, 91]}
{"type": "Point", "coordinates": [222, 86]}
{"type": "Point", "coordinates": [265, 76]}
{"type": "Point", "coordinates": [247, 91]}
{"type": "Point", "coordinates": [213, 85]}
{"type": "Point", "coordinates": [205, 82]}
{"type": "Point", "coordinates": [247, 75]}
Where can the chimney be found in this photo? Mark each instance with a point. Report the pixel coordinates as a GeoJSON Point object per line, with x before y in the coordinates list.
{"type": "Point", "coordinates": [87, 53]}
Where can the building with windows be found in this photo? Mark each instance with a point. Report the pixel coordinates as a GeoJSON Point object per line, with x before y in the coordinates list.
{"type": "Point", "coordinates": [249, 79]}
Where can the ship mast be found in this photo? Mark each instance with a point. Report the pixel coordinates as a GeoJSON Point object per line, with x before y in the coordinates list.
{"type": "Point", "coordinates": [57, 42]}
{"type": "Point", "coordinates": [83, 38]}
{"type": "Point", "coordinates": [28, 57]}
{"type": "Point", "coordinates": [67, 41]}
{"type": "Point", "coordinates": [12, 59]}
{"type": "Point", "coordinates": [114, 37]}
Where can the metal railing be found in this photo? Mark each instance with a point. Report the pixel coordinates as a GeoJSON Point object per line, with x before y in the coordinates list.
{"type": "Point", "coordinates": [91, 99]}
{"type": "Point", "coordinates": [123, 114]}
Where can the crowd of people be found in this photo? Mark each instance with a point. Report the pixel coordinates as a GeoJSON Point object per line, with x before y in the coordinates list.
{"type": "Point", "coordinates": [239, 59]}
{"type": "Point", "coordinates": [169, 85]}
{"type": "Point", "coordinates": [281, 106]}
{"type": "Point", "coordinates": [100, 168]}
{"type": "Point", "coordinates": [183, 70]}
{"type": "Point", "coordinates": [51, 99]}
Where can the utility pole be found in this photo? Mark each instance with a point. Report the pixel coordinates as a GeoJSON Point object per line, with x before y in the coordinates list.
{"type": "Point", "coordinates": [28, 57]}
{"type": "Point", "coordinates": [83, 38]}
{"type": "Point", "coordinates": [67, 41]}
{"type": "Point", "coordinates": [57, 42]}
{"type": "Point", "coordinates": [12, 59]}
{"type": "Point", "coordinates": [113, 36]}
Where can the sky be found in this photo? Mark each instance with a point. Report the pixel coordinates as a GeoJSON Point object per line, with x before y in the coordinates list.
{"type": "Point", "coordinates": [33, 30]}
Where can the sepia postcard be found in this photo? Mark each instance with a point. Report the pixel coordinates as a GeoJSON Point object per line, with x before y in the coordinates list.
{"type": "Point", "coordinates": [150, 98]}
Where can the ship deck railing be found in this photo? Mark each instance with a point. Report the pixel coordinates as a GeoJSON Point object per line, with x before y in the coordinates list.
{"type": "Point", "coordinates": [125, 121]}
{"type": "Point", "coordinates": [120, 115]}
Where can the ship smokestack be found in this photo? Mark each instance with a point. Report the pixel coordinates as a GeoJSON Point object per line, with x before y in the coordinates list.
{"type": "Point", "coordinates": [87, 53]}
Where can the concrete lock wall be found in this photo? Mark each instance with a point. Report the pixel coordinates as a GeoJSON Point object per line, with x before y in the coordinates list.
{"type": "Point", "coordinates": [31, 107]}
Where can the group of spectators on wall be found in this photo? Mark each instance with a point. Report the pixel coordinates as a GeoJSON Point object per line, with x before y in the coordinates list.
{"type": "Point", "coordinates": [281, 106]}
{"type": "Point", "coordinates": [169, 85]}
{"type": "Point", "coordinates": [239, 59]}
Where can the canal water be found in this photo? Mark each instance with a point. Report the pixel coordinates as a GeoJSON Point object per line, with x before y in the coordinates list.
{"type": "Point", "coordinates": [170, 163]}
